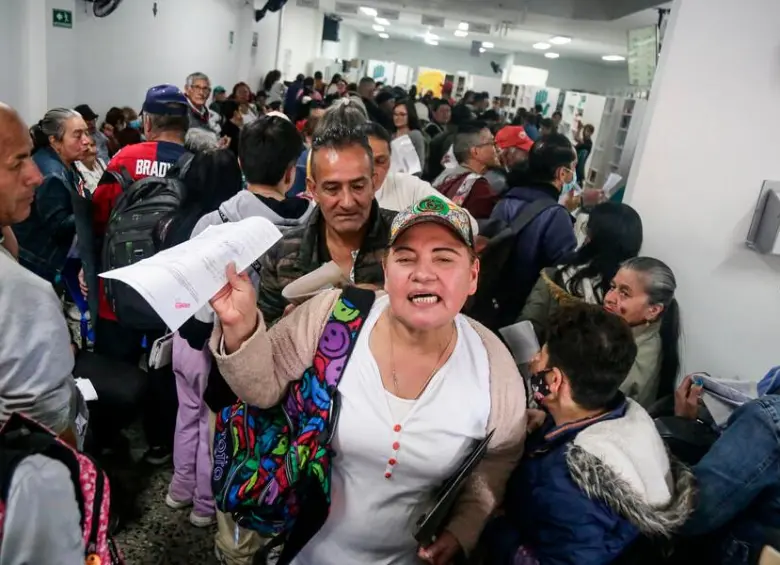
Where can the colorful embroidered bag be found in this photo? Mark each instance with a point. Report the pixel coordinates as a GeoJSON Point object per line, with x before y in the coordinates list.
{"type": "Point", "coordinates": [269, 463]}
{"type": "Point", "coordinates": [21, 437]}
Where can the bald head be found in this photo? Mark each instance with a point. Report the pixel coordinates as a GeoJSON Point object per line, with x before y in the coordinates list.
{"type": "Point", "coordinates": [19, 175]}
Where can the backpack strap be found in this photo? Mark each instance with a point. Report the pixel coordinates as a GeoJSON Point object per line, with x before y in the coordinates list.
{"type": "Point", "coordinates": [346, 321]}
{"type": "Point", "coordinates": [123, 178]}
{"type": "Point", "coordinates": [529, 213]}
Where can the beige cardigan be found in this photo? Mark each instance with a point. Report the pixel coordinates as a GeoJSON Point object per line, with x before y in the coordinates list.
{"type": "Point", "coordinates": [291, 344]}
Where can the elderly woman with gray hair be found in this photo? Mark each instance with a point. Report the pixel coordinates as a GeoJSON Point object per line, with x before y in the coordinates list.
{"type": "Point", "coordinates": [47, 236]}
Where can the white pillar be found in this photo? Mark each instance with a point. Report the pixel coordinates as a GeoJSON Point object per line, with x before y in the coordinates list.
{"type": "Point", "coordinates": [35, 19]}
{"type": "Point", "coordinates": [711, 136]}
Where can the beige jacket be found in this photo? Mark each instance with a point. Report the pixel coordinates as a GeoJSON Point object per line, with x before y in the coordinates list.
{"type": "Point", "coordinates": [291, 345]}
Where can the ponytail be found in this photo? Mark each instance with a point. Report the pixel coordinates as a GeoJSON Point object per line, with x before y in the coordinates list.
{"type": "Point", "coordinates": [671, 328]}
{"type": "Point", "coordinates": [39, 139]}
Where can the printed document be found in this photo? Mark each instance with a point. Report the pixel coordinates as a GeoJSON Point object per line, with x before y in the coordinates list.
{"type": "Point", "coordinates": [177, 282]}
{"type": "Point", "coordinates": [403, 157]}
{"type": "Point", "coordinates": [611, 184]}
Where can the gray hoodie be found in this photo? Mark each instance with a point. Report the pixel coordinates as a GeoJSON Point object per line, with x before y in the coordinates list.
{"type": "Point", "coordinates": [245, 205]}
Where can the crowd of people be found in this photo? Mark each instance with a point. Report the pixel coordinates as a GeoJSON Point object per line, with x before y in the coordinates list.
{"type": "Point", "coordinates": [574, 470]}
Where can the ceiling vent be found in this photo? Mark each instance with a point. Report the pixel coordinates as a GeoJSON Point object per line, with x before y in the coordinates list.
{"type": "Point", "coordinates": [432, 21]}
{"type": "Point", "coordinates": [344, 8]}
{"type": "Point", "coordinates": [389, 14]}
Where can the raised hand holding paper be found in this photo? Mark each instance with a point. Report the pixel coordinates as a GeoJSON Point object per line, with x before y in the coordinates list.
{"type": "Point", "coordinates": [177, 282]}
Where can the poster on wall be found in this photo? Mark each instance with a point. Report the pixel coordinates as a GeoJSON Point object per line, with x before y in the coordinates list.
{"type": "Point", "coordinates": [430, 79]}
{"type": "Point", "coordinates": [381, 71]}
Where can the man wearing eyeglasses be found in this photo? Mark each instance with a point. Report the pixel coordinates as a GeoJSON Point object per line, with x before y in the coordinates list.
{"type": "Point", "coordinates": [197, 89]}
{"type": "Point", "coordinates": [475, 150]}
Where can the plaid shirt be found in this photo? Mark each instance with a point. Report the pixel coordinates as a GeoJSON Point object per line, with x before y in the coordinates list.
{"type": "Point", "coordinates": [303, 249]}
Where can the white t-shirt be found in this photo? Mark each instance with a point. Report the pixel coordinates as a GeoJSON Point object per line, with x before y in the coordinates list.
{"type": "Point", "coordinates": [371, 517]}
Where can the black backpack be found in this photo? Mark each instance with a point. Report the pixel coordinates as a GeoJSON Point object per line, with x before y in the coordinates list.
{"type": "Point", "coordinates": [136, 231]}
{"type": "Point", "coordinates": [496, 303]}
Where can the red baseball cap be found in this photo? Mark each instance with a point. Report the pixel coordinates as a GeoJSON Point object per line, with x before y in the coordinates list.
{"type": "Point", "coordinates": [514, 136]}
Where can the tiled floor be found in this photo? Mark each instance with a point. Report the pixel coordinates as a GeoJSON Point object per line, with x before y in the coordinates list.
{"type": "Point", "coordinates": [163, 536]}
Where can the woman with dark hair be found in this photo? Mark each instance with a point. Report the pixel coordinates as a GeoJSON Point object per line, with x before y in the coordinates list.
{"type": "Point", "coordinates": [642, 293]}
{"type": "Point", "coordinates": [614, 235]}
{"type": "Point", "coordinates": [274, 87]}
{"type": "Point", "coordinates": [333, 87]}
{"type": "Point", "coordinates": [232, 122]}
{"type": "Point", "coordinates": [406, 123]}
{"type": "Point", "coordinates": [241, 95]}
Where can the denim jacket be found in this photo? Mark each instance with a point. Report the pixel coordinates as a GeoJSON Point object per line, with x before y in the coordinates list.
{"type": "Point", "coordinates": [57, 215]}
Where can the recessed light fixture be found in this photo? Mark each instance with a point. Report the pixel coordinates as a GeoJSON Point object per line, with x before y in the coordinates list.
{"type": "Point", "coordinates": [378, 27]}
{"type": "Point", "coordinates": [541, 45]}
{"type": "Point", "coordinates": [560, 40]}
{"type": "Point", "coordinates": [613, 58]}
{"type": "Point", "coordinates": [461, 33]}
{"type": "Point", "coordinates": [482, 49]}
{"type": "Point", "coordinates": [382, 21]}
{"type": "Point", "coordinates": [369, 11]}
{"type": "Point", "coordinates": [384, 36]}
{"type": "Point", "coordinates": [551, 55]}
{"type": "Point", "coordinates": [431, 41]}
{"type": "Point", "coordinates": [430, 35]}
{"type": "Point", "coordinates": [463, 26]}
{"type": "Point", "coordinates": [487, 45]}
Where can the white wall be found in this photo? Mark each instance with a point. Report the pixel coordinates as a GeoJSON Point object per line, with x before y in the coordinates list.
{"type": "Point", "coordinates": [62, 65]}
{"type": "Point", "coordinates": [301, 41]}
{"type": "Point", "coordinates": [11, 43]}
{"type": "Point", "coordinates": [564, 74]}
{"type": "Point", "coordinates": [347, 46]}
{"type": "Point", "coordinates": [122, 55]}
{"type": "Point", "coordinates": [695, 184]}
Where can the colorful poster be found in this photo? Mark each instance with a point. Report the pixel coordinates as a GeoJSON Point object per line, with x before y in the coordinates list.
{"type": "Point", "coordinates": [430, 79]}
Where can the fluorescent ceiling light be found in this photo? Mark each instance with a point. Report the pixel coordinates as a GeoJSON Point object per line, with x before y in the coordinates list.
{"type": "Point", "coordinates": [461, 33]}
{"type": "Point", "coordinates": [430, 41]}
{"type": "Point", "coordinates": [378, 27]}
{"type": "Point", "coordinates": [382, 21]}
{"type": "Point", "coordinates": [482, 49]}
{"type": "Point", "coordinates": [430, 35]}
{"type": "Point", "coordinates": [369, 11]}
{"type": "Point", "coordinates": [612, 58]}
{"type": "Point", "coordinates": [560, 40]}
{"type": "Point", "coordinates": [541, 45]}
{"type": "Point", "coordinates": [384, 36]}
{"type": "Point", "coordinates": [487, 45]}
{"type": "Point", "coordinates": [551, 55]}
{"type": "Point", "coordinates": [463, 26]}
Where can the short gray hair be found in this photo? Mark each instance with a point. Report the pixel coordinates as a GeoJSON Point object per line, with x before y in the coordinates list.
{"type": "Point", "coordinates": [196, 76]}
{"type": "Point", "coordinates": [463, 144]}
{"type": "Point", "coordinates": [348, 112]}
{"type": "Point", "coordinates": [199, 140]}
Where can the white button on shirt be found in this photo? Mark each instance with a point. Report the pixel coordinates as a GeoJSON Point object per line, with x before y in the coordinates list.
{"type": "Point", "coordinates": [372, 518]}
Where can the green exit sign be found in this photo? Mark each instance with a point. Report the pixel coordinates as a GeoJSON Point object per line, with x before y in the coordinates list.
{"type": "Point", "coordinates": [62, 18]}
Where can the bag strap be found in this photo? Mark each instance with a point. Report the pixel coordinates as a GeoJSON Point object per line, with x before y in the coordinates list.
{"type": "Point", "coordinates": [529, 213]}
{"type": "Point", "coordinates": [345, 323]}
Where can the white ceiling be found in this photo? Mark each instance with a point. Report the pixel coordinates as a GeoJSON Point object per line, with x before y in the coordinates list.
{"type": "Point", "coordinates": [519, 31]}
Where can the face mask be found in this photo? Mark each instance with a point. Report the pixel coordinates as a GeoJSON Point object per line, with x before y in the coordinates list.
{"type": "Point", "coordinates": [569, 186]}
{"type": "Point", "coordinates": [135, 124]}
{"type": "Point", "coordinates": [538, 383]}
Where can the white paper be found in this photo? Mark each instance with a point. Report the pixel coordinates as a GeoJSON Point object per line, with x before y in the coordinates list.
{"type": "Point", "coordinates": [403, 156]}
{"type": "Point", "coordinates": [522, 342]}
{"type": "Point", "coordinates": [449, 161]}
{"type": "Point", "coordinates": [611, 184]}
{"type": "Point", "coordinates": [177, 282]}
{"type": "Point", "coordinates": [87, 389]}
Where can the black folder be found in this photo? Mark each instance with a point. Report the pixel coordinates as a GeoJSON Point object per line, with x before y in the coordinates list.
{"type": "Point", "coordinates": [431, 524]}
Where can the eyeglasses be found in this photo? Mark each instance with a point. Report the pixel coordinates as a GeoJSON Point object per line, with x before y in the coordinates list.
{"type": "Point", "coordinates": [204, 89]}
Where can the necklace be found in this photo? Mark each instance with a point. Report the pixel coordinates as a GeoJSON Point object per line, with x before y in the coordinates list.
{"type": "Point", "coordinates": [397, 428]}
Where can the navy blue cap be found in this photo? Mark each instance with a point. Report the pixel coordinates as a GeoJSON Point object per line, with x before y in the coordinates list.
{"type": "Point", "coordinates": [165, 100]}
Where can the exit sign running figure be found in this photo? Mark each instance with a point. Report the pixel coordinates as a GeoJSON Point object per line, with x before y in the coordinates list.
{"type": "Point", "coordinates": [62, 18]}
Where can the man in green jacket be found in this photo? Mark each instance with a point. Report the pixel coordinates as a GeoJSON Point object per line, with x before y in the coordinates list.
{"type": "Point", "coordinates": [348, 227]}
